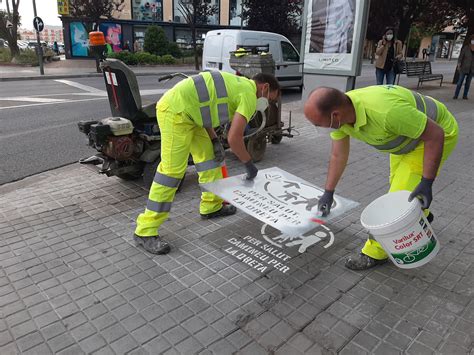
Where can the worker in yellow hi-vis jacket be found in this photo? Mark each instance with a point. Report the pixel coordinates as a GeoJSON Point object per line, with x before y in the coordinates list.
{"type": "Point", "coordinates": [187, 115]}
{"type": "Point", "coordinates": [418, 132]}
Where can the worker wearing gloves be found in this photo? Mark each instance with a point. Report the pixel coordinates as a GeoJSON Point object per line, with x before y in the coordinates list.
{"type": "Point", "coordinates": [187, 115]}
{"type": "Point", "coordinates": [418, 132]}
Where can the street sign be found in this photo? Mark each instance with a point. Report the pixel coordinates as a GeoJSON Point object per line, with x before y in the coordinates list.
{"type": "Point", "coordinates": [38, 24]}
{"type": "Point", "coordinates": [9, 24]}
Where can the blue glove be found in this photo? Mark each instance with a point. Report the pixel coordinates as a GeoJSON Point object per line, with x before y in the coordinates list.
{"type": "Point", "coordinates": [423, 192]}
{"type": "Point", "coordinates": [325, 202]}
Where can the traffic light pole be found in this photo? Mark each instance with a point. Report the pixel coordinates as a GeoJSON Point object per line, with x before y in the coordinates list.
{"type": "Point", "coordinates": [40, 48]}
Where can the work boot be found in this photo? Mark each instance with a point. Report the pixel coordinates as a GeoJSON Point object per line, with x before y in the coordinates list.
{"type": "Point", "coordinates": [154, 245]}
{"type": "Point", "coordinates": [362, 262]}
{"type": "Point", "coordinates": [226, 210]}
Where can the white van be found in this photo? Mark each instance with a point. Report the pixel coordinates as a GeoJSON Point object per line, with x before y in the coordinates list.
{"type": "Point", "coordinates": [219, 43]}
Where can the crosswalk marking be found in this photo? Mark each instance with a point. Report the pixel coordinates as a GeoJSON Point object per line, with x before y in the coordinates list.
{"type": "Point", "coordinates": [79, 85]}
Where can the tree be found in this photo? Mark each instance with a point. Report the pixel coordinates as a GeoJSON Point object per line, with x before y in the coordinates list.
{"type": "Point", "coordinates": [452, 12]}
{"type": "Point", "coordinates": [196, 12]}
{"type": "Point", "coordinates": [156, 41]}
{"type": "Point", "coordinates": [279, 16]}
{"type": "Point", "coordinates": [10, 34]}
{"type": "Point", "coordinates": [94, 10]}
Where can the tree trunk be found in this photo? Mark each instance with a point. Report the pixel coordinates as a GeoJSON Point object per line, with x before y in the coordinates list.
{"type": "Point", "coordinates": [196, 56]}
{"type": "Point", "coordinates": [12, 42]}
{"type": "Point", "coordinates": [404, 29]}
{"type": "Point", "coordinates": [470, 23]}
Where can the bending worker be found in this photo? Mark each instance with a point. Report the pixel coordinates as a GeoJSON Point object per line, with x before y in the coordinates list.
{"type": "Point", "coordinates": [418, 132]}
{"type": "Point", "coordinates": [187, 115]}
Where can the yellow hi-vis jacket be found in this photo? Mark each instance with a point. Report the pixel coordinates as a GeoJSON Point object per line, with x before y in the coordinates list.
{"type": "Point", "coordinates": [210, 99]}
{"type": "Point", "coordinates": [392, 118]}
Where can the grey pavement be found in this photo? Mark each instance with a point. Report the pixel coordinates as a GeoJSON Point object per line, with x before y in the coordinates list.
{"type": "Point", "coordinates": [72, 282]}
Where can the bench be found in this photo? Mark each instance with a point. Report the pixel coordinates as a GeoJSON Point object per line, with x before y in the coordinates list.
{"type": "Point", "coordinates": [422, 70]}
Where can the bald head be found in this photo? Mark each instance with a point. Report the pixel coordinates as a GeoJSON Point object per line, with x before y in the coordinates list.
{"type": "Point", "coordinates": [322, 103]}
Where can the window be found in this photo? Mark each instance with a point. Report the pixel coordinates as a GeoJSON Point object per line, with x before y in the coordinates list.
{"type": "Point", "coordinates": [147, 10]}
{"type": "Point", "coordinates": [289, 53]}
{"type": "Point", "coordinates": [235, 11]}
{"type": "Point", "coordinates": [179, 16]}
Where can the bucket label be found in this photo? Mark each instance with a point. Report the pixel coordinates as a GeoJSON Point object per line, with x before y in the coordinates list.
{"type": "Point", "coordinates": [413, 246]}
{"type": "Point", "coordinates": [416, 255]}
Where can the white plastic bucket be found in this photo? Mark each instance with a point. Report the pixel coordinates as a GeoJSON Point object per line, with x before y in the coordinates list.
{"type": "Point", "coordinates": [402, 229]}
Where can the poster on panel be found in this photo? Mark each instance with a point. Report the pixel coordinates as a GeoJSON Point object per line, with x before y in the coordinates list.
{"type": "Point", "coordinates": [79, 39]}
{"type": "Point", "coordinates": [113, 36]}
{"type": "Point", "coordinates": [334, 31]}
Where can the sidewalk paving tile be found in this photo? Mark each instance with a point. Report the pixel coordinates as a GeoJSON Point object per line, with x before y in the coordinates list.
{"type": "Point", "coordinates": [72, 280]}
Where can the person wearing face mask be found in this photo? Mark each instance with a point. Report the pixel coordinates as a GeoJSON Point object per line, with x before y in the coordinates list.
{"type": "Point", "coordinates": [187, 115]}
{"type": "Point", "coordinates": [466, 68]}
{"type": "Point", "coordinates": [388, 51]}
{"type": "Point", "coordinates": [417, 131]}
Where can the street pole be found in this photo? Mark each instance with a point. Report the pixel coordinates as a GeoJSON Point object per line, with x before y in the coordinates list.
{"type": "Point", "coordinates": [40, 49]}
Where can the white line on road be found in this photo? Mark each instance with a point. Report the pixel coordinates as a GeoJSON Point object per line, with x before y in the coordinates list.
{"type": "Point", "coordinates": [32, 99]}
{"type": "Point", "coordinates": [51, 103]}
{"type": "Point", "coordinates": [79, 86]}
{"type": "Point", "coordinates": [40, 100]}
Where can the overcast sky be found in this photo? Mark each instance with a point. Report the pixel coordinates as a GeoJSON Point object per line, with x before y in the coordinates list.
{"type": "Point", "coordinates": [46, 9]}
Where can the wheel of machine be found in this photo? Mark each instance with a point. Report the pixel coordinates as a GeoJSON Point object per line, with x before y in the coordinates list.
{"type": "Point", "coordinates": [149, 174]}
{"type": "Point", "coordinates": [276, 138]}
{"type": "Point", "coordinates": [256, 147]}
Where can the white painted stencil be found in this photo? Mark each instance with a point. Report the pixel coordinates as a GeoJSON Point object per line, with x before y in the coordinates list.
{"type": "Point", "coordinates": [279, 199]}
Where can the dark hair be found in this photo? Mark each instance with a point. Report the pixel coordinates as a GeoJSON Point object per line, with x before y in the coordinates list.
{"type": "Point", "coordinates": [389, 29]}
{"type": "Point", "coordinates": [329, 99]}
{"type": "Point", "coordinates": [265, 78]}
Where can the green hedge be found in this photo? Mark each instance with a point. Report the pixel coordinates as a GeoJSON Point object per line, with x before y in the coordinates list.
{"type": "Point", "coordinates": [5, 55]}
{"type": "Point", "coordinates": [27, 56]}
{"type": "Point", "coordinates": [142, 58]}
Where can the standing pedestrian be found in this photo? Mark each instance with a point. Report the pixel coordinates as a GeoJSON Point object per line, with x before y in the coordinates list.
{"type": "Point", "coordinates": [136, 46]}
{"type": "Point", "coordinates": [425, 53]}
{"type": "Point", "coordinates": [418, 131]}
{"type": "Point", "coordinates": [388, 51]}
{"type": "Point", "coordinates": [126, 46]}
{"type": "Point", "coordinates": [466, 68]}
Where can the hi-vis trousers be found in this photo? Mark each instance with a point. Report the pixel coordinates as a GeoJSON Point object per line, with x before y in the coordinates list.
{"type": "Point", "coordinates": [405, 174]}
{"type": "Point", "coordinates": [179, 137]}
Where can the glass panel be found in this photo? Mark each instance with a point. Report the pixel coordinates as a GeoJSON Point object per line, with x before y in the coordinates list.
{"type": "Point", "coordinates": [147, 10]}
{"type": "Point", "coordinates": [235, 11]}
{"type": "Point", "coordinates": [289, 53]}
{"type": "Point", "coordinates": [212, 20]}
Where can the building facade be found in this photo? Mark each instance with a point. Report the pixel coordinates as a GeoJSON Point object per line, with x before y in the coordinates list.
{"type": "Point", "coordinates": [50, 34]}
{"type": "Point", "coordinates": [131, 20]}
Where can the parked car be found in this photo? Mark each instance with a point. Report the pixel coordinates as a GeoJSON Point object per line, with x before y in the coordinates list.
{"type": "Point", "coordinates": [219, 43]}
{"type": "Point", "coordinates": [22, 44]}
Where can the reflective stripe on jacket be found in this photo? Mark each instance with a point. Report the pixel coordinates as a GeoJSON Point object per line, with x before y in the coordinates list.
{"type": "Point", "coordinates": [402, 144]}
